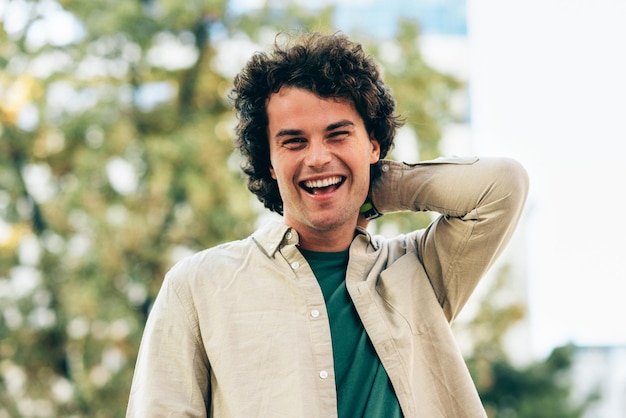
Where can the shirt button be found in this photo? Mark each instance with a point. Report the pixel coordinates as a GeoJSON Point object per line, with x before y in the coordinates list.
{"type": "Point", "coordinates": [315, 313]}
{"type": "Point", "coordinates": [323, 374]}
{"type": "Point", "coordinates": [288, 235]}
{"type": "Point", "coordinates": [385, 168]}
{"type": "Point", "coordinates": [295, 265]}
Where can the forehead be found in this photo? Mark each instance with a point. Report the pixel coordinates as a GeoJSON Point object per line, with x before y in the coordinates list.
{"type": "Point", "coordinates": [295, 106]}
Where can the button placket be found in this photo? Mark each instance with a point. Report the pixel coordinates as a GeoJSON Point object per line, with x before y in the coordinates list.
{"type": "Point", "coordinates": [315, 312]}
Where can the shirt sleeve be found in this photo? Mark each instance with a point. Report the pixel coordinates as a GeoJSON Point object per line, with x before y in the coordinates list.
{"type": "Point", "coordinates": [171, 377]}
{"type": "Point", "coordinates": [480, 202]}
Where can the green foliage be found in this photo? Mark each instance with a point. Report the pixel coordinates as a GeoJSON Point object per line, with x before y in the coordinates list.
{"type": "Point", "coordinates": [423, 100]}
{"type": "Point", "coordinates": [104, 189]}
{"type": "Point", "coordinates": [68, 342]}
{"type": "Point", "coordinates": [289, 18]}
{"type": "Point", "coordinates": [423, 93]}
{"type": "Point", "coordinates": [540, 389]}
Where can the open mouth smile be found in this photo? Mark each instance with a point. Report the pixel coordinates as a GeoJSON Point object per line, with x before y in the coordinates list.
{"type": "Point", "coordinates": [321, 186]}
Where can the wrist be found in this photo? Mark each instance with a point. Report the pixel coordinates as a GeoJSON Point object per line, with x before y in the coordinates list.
{"type": "Point", "coordinates": [369, 211]}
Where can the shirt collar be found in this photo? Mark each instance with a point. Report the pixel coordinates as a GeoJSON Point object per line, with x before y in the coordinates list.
{"type": "Point", "coordinates": [274, 235]}
{"type": "Point", "coordinates": [364, 234]}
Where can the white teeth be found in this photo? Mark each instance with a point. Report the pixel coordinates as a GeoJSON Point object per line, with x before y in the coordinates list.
{"type": "Point", "coordinates": [312, 184]}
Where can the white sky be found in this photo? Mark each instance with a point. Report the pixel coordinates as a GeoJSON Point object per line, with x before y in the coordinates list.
{"type": "Point", "coordinates": [548, 87]}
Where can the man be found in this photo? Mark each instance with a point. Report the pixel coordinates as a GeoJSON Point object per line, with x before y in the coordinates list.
{"type": "Point", "coordinates": [312, 316]}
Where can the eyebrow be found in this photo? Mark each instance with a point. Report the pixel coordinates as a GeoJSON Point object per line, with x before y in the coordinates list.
{"type": "Point", "coordinates": [329, 128]}
{"type": "Point", "coordinates": [288, 132]}
{"type": "Point", "coordinates": [341, 124]}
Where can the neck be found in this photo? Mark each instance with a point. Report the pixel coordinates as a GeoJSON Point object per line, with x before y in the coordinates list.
{"type": "Point", "coordinates": [327, 241]}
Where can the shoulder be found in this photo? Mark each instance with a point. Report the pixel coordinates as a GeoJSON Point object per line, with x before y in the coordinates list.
{"type": "Point", "coordinates": [218, 266]}
{"type": "Point", "coordinates": [209, 265]}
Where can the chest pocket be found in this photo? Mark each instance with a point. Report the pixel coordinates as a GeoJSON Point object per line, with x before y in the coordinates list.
{"type": "Point", "coordinates": [409, 299]}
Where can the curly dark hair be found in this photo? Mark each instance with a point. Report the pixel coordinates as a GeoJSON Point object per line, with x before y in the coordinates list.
{"type": "Point", "coordinates": [326, 65]}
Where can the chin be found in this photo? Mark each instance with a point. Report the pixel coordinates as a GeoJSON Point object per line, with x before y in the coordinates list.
{"type": "Point", "coordinates": [329, 223]}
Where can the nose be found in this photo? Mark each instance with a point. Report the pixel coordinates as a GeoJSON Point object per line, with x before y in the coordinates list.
{"type": "Point", "coordinates": [317, 154]}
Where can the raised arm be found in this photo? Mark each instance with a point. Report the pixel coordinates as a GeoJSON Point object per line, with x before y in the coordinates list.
{"type": "Point", "coordinates": [480, 202]}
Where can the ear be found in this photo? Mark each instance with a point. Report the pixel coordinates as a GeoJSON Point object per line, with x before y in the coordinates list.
{"type": "Point", "coordinates": [375, 151]}
{"type": "Point", "coordinates": [272, 173]}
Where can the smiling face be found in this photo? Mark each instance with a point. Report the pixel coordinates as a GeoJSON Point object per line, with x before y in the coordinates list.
{"type": "Point", "coordinates": [320, 155]}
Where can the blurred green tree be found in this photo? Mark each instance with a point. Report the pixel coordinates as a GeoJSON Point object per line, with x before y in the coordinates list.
{"type": "Point", "coordinates": [540, 389]}
{"type": "Point", "coordinates": [123, 166]}
{"type": "Point", "coordinates": [116, 160]}
{"type": "Point", "coordinates": [423, 97]}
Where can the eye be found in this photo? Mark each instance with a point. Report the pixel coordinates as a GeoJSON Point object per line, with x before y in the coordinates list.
{"type": "Point", "coordinates": [338, 135]}
{"type": "Point", "coordinates": [294, 143]}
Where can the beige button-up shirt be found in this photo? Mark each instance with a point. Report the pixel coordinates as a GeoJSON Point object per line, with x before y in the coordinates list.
{"type": "Point", "coordinates": [241, 330]}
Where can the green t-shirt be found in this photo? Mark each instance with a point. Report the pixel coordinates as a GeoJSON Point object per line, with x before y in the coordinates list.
{"type": "Point", "coordinates": [363, 387]}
